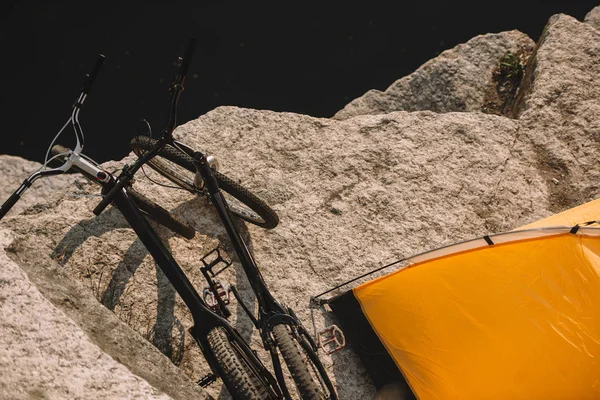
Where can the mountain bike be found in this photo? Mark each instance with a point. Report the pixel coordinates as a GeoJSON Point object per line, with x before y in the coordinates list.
{"type": "Point", "coordinates": [227, 353]}
{"type": "Point", "coordinates": [280, 329]}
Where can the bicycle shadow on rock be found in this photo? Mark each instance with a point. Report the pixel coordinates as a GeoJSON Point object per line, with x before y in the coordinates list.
{"type": "Point", "coordinates": [167, 327]}
{"type": "Point", "coordinates": [110, 295]}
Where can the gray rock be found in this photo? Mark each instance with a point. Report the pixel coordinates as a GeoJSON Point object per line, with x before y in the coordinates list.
{"type": "Point", "coordinates": [148, 371]}
{"type": "Point", "coordinates": [559, 109]}
{"type": "Point", "coordinates": [401, 183]}
{"type": "Point", "coordinates": [456, 80]}
{"type": "Point", "coordinates": [44, 354]}
{"type": "Point", "coordinates": [45, 258]}
{"type": "Point", "coordinates": [352, 194]}
{"type": "Point", "coordinates": [593, 17]}
{"type": "Point", "coordinates": [14, 170]}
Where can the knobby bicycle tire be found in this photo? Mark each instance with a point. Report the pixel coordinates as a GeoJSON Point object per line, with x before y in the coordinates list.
{"type": "Point", "coordinates": [241, 202]}
{"type": "Point", "coordinates": [309, 387]}
{"type": "Point", "coordinates": [147, 206]}
{"type": "Point", "coordinates": [241, 382]}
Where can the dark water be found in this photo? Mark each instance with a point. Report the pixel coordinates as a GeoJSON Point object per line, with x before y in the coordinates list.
{"type": "Point", "coordinates": [310, 60]}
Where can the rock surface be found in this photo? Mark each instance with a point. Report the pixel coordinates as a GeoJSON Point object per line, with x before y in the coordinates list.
{"type": "Point", "coordinates": [15, 170]}
{"type": "Point", "coordinates": [456, 80]}
{"type": "Point", "coordinates": [370, 193]}
{"type": "Point", "coordinates": [136, 370]}
{"type": "Point", "coordinates": [593, 17]}
{"type": "Point", "coordinates": [44, 354]}
{"type": "Point", "coordinates": [352, 194]}
{"type": "Point", "coordinates": [560, 106]}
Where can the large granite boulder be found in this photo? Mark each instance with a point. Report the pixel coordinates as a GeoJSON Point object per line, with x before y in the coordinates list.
{"type": "Point", "coordinates": [63, 350]}
{"type": "Point", "coordinates": [559, 107]}
{"type": "Point", "coordinates": [593, 17]}
{"type": "Point", "coordinates": [459, 79]}
{"type": "Point", "coordinates": [352, 194]}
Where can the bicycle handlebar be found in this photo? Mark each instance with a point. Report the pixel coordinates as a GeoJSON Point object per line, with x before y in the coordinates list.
{"type": "Point", "coordinates": [87, 87]}
{"type": "Point", "coordinates": [177, 86]}
{"type": "Point", "coordinates": [90, 78]}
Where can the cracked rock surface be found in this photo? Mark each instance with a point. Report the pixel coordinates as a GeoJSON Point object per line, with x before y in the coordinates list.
{"type": "Point", "coordinates": [353, 193]}
{"type": "Point", "coordinates": [593, 17]}
{"type": "Point", "coordinates": [45, 355]}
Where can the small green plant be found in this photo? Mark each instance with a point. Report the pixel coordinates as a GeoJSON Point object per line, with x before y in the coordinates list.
{"type": "Point", "coordinates": [507, 76]}
{"type": "Point", "coordinates": [511, 67]}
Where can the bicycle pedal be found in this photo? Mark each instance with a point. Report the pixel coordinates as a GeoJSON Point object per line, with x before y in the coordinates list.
{"type": "Point", "coordinates": [212, 259]}
{"type": "Point", "coordinates": [210, 297]}
{"type": "Point", "coordinates": [332, 339]}
{"type": "Point", "coordinates": [207, 380]}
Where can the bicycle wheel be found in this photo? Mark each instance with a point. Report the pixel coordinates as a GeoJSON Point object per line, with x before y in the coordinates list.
{"type": "Point", "coordinates": [310, 378]}
{"type": "Point", "coordinates": [147, 206]}
{"type": "Point", "coordinates": [241, 382]}
{"type": "Point", "coordinates": [179, 168]}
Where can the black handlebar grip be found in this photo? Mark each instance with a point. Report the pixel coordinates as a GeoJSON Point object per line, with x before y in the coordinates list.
{"type": "Point", "coordinates": [90, 78]}
{"type": "Point", "coordinates": [189, 53]}
{"type": "Point", "coordinates": [9, 204]}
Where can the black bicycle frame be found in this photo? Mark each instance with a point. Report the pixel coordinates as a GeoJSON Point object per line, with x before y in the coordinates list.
{"type": "Point", "coordinates": [271, 313]}
{"type": "Point", "coordinates": [204, 318]}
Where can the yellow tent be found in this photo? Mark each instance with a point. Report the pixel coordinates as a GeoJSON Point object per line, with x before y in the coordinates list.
{"type": "Point", "coordinates": [508, 316]}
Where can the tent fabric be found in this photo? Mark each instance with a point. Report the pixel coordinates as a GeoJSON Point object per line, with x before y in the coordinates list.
{"type": "Point", "coordinates": [515, 315]}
